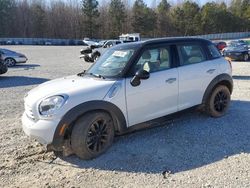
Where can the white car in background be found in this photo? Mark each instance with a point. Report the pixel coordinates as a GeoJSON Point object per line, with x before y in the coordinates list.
{"type": "Point", "coordinates": [130, 86]}
{"type": "Point", "coordinates": [11, 58]}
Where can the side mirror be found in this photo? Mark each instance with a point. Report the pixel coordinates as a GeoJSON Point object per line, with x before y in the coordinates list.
{"type": "Point", "coordinates": [139, 75]}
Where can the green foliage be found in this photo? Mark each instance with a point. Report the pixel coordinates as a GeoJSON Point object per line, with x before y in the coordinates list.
{"type": "Point", "coordinates": [91, 13]}
{"type": "Point", "coordinates": [187, 18]}
{"type": "Point", "coordinates": [39, 20]}
{"type": "Point", "coordinates": [6, 10]}
{"type": "Point", "coordinates": [164, 22]}
{"type": "Point", "coordinates": [78, 19]}
{"type": "Point", "coordinates": [144, 19]}
{"type": "Point", "coordinates": [117, 16]}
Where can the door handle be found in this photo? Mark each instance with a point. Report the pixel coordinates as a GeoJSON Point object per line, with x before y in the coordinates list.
{"type": "Point", "coordinates": [170, 80]}
{"type": "Point", "coordinates": [211, 71]}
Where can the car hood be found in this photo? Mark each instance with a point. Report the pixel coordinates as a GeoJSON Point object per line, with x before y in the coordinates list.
{"type": "Point", "coordinates": [85, 88]}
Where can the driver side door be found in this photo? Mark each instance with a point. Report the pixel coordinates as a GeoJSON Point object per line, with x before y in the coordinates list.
{"type": "Point", "coordinates": [158, 95]}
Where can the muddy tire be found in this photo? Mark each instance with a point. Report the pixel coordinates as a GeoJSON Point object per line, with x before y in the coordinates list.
{"type": "Point", "coordinates": [92, 135]}
{"type": "Point", "coordinates": [219, 101]}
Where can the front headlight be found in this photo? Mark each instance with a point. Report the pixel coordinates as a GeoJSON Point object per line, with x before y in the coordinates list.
{"type": "Point", "coordinates": [49, 106]}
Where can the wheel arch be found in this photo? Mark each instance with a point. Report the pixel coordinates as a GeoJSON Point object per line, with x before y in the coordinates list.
{"type": "Point", "coordinates": [10, 58]}
{"type": "Point", "coordinates": [66, 124]}
{"type": "Point", "coordinates": [97, 53]}
{"type": "Point", "coordinates": [222, 79]}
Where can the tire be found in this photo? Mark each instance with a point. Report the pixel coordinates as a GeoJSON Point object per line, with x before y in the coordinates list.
{"type": "Point", "coordinates": [92, 135]}
{"type": "Point", "coordinates": [245, 57]}
{"type": "Point", "coordinates": [96, 57]}
{"type": "Point", "coordinates": [219, 101]}
{"type": "Point", "coordinates": [3, 68]}
{"type": "Point", "coordinates": [10, 62]}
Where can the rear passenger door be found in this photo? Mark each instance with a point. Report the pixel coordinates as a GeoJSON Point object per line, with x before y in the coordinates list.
{"type": "Point", "coordinates": [196, 71]}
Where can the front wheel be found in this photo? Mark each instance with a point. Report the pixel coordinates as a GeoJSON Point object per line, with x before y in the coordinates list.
{"type": "Point", "coordinates": [92, 135]}
{"type": "Point", "coordinates": [218, 102]}
{"type": "Point", "coordinates": [96, 57]}
{"type": "Point", "coordinates": [246, 57]}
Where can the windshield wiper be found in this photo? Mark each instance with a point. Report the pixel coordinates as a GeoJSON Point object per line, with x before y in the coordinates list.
{"type": "Point", "coordinates": [97, 75]}
{"type": "Point", "coordinates": [81, 73]}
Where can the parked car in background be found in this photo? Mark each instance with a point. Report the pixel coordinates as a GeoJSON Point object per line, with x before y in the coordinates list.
{"type": "Point", "coordinates": [239, 42]}
{"type": "Point", "coordinates": [10, 58]}
{"type": "Point", "coordinates": [237, 50]}
{"type": "Point", "coordinates": [48, 43]}
{"type": "Point", "coordinates": [130, 37]}
{"type": "Point", "coordinates": [90, 42]}
{"type": "Point", "coordinates": [10, 42]}
{"type": "Point", "coordinates": [220, 45]}
{"type": "Point", "coordinates": [92, 54]}
{"type": "Point", "coordinates": [130, 86]}
{"type": "Point", "coordinates": [81, 43]}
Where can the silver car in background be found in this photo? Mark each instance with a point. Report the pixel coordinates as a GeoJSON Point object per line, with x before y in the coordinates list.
{"type": "Point", "coordinates": [10, 58]}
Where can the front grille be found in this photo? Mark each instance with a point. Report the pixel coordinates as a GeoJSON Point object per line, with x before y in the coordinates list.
{"type": "Point", "coordinates": [29, 112]}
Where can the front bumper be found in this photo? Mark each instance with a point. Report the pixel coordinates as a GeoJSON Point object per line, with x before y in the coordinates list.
{"type": "Point", "coordinates": [21, 59]}
{"type": "Point", "coordinates": [42, 130]}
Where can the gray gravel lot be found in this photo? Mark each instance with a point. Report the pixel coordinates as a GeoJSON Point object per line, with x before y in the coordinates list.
{"type": "Point", "coordinates": [192, 151]}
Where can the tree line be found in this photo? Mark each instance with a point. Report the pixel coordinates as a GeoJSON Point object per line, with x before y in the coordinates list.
{"type": "Point", "coordinates": [75, 19]}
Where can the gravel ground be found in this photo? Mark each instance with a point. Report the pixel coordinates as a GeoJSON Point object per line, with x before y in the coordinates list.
{"type": "Point", "coordinates": [192, 151]}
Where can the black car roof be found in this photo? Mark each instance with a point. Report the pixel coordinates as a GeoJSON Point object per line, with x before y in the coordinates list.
{"type": "Point", "coordinates": [160, 41]}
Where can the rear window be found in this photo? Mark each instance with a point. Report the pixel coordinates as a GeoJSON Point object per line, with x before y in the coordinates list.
{"type": "Point", "coordinates": [213, 51]}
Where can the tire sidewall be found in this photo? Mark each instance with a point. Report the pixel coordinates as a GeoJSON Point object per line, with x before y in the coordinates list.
{"type": "Point", "coordinates": [13, 60]}
{"type": "Point", "coordinates": [80, 132]}
{"type": "Point", "coordinates": [246, 57]}
{"type": "Point", "coordinates": [212, 111]}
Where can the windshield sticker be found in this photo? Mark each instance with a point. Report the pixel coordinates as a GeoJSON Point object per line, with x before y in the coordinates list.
{"type": "Point", "coordinates": [120, 53]}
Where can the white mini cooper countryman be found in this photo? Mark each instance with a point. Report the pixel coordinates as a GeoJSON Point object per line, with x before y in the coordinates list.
{"type": "Point", "coordinates": [131, 85]}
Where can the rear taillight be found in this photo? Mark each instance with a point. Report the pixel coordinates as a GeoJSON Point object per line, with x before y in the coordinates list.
{"type": "Point", "coordinates": [229, 61]}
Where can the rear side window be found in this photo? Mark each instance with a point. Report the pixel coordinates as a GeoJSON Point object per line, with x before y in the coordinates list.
{"type": "Point", "coordinates": [213, 51]}
{"type": "Point", "coordinates": [190, 54]}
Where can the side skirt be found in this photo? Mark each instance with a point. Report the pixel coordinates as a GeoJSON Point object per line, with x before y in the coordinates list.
{"type": "Point", "coordinates": [162, 121]}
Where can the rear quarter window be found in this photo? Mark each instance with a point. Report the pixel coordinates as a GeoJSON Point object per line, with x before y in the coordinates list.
{"type": "Point", "coordinates": [190, 54]}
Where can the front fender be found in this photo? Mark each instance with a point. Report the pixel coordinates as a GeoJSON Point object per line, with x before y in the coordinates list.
{"type": "Point", "coordinates": [68, 120]}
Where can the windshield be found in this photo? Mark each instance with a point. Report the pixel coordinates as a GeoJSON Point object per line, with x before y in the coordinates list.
{"type": "Point", "coordinates": [111, 63]}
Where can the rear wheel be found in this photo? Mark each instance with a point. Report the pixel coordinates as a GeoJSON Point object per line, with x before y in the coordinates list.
{"type": "Point", "coordinates": [218, 102]}
{"type": "Point", "coordinates": [10, 62]}
{"type": "Point", "coordinates": [92, 135]}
